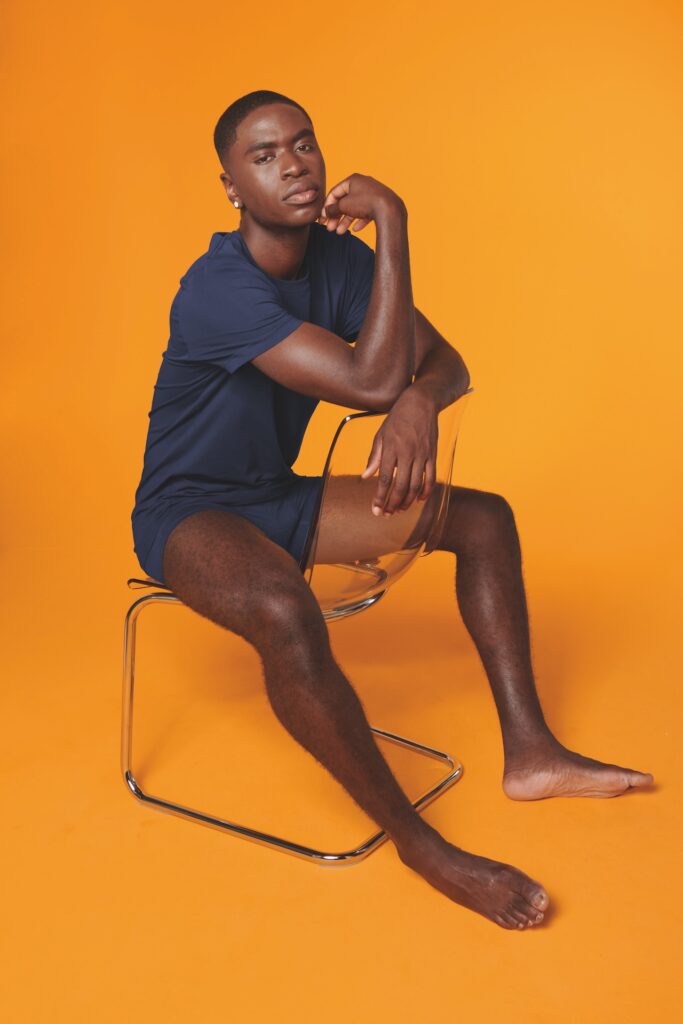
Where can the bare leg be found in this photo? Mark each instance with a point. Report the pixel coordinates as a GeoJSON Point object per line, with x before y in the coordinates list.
{"type": "Point", "coordinates": [481, 532]}
{"type": "Point", "coordinates": [227, 570]}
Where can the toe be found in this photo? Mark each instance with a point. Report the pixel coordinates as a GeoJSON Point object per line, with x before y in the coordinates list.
{"type": "Point", "coordinates": [536, 896]}
{"type": "Point", "coordinates": [503, 921]}
{"type": "Point", "coordinates": [640, 779]}
{"type": "Point", "coordinates": [521, 911]}
{"type": "Point", "coordinates": [507, 919]}
{"type": "Point", "coordinates": [531, 914]}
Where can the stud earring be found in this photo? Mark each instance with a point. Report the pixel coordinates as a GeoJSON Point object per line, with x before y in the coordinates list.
{"type": "Point", "coordinates": [236, 203]}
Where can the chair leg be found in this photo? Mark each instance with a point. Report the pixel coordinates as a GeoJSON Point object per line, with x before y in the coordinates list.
{"type": "Point", "coordinates": [353, 855]}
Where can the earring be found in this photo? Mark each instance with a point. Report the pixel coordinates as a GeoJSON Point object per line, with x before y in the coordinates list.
{"type": "Point", "coordinates": [236, 203]}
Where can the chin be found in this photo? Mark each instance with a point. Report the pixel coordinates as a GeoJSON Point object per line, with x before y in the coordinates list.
{"type": "Point", "coordinates": [306, 214]}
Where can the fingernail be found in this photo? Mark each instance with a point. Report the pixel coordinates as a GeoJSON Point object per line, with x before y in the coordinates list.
{"type": "Point", "coordinates": [376, 511]}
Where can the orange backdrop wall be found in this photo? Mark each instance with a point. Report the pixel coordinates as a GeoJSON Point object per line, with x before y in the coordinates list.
{"type": "Point", "coordinates": [538, 149]}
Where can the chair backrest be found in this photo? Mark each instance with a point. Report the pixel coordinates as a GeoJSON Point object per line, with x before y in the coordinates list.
{"type": "Point", "coordinates": [352, 556]}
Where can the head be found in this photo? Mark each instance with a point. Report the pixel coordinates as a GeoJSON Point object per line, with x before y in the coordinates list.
{"type": "Point", "coordinates": [266, 145]}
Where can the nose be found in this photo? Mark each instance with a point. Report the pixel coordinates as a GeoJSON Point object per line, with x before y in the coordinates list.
{"type": "Point", "coordinates": [294, 166]}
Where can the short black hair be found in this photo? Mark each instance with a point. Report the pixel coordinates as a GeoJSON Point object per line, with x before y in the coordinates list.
{"type": "Point", "coordinates": [225, 132]}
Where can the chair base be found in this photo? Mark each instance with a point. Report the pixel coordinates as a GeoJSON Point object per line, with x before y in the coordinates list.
{"type": "Point", "coordinates": [325, 858]}
{"type": "Point", "coordinates": [308, 853]}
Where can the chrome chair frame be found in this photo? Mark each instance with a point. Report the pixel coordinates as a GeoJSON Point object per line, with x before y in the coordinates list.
{"type": "Point", "coordinates": [164, 595]}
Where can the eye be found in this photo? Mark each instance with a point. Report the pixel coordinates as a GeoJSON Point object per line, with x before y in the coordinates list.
{"type": "Point", "coordinates": [265, 157]}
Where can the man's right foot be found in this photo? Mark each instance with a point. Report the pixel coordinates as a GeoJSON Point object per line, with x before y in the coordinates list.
{"type": "Point", "coordinates": [498, 891]}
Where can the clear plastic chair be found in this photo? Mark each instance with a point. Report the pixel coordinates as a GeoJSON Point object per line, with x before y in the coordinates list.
{"type": "Point", "coordinates": [351, 559]}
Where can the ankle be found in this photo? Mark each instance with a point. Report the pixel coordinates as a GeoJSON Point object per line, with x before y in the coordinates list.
{"type": "Point", "coordinates": [522, 743]}
{"type": "Point", "coordinates": [418, 844]}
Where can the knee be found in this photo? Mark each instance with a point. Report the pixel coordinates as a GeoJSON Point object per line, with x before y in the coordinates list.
{"type": "Point", "coordinates": [493, 520]}
{"type": "Point", "coordinates": [290, 616]}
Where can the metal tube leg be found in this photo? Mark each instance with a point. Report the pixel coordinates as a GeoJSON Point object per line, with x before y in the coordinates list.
{"type": "Point", "coordinates": [308, 853]}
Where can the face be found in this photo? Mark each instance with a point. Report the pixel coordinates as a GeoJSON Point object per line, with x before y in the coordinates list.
{"type": "Point", "coordinates": [276, 154]}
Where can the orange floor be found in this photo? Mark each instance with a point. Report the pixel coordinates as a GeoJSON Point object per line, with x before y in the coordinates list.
{"type": "Point", "coordinates": [539, 153]}
{"type": "Point", "coordinates": [116, 912]}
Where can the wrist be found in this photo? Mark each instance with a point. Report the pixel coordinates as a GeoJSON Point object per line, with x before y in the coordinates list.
{"type": "Point", "coordinates": [423, 390]}
{"type": "Point", "coordinates": [390, 210]}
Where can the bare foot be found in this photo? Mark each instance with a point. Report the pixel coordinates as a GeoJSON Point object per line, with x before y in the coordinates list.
{"type": "Point", "coordinates": [550, 769]}
{"type": "Point", "coordinates": [498, 891]}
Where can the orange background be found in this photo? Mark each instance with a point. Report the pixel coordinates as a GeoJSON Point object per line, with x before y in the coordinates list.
{"type": "Point", "coordinates": [538, 149]}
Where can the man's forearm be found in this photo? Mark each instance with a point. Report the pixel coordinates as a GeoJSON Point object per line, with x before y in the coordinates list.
{"type": "Point", "coordinates": [384, 353]}
{"type": "Point", "coordinates": [442, 376]}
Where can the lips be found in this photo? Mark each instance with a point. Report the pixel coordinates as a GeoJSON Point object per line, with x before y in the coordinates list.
{"type": "Point", "coordinates": [301, 194]}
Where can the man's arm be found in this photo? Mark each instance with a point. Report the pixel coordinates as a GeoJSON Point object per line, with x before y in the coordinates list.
{"type": "Point", "coordinates": [407, 438]}
{"type": "Point", "coordinates": [377, 369]}
{"type": "Point", "coordinates": [441, 372]}
{"type": "Point", "coordinates": [384, 352]}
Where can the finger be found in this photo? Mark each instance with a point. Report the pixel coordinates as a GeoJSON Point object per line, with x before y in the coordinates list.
{"type": "Point", "coordinates": [374, 459]}
{"type": "Point", "coordinates": [336, 193]}
{"type": "Point", "coordinates": [429, 480]}
{"type": "Point", "coordinates": [361, 223]}
{"type": "Point", "coordinates": [342, 188]}
{"type": "Point", "coordinates": [386, 477]}
{"type": "Point", "coordinates": [400, 488]}
{"type": "Point", "coordinates": [344, 224]}
{"type": "Point", "coordinates": [415, 485]}
{"type": "Point", "coordinates": [333, 215]}
{"type": "Point", "coordinates": [330, 205]}
{"type": "Point", "coordinates": [331, 201]}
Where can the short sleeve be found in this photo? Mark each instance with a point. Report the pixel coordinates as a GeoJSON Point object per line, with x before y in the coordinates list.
{"type": "Point", "coordinates": [228, 318]}
{"type": "Point", "coordinates": [360, 267]}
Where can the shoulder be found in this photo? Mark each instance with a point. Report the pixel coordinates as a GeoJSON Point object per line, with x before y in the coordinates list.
{"type": "Point", "coordinates": [223, 258]}
{"type": "Point", "coordinates": [220, 290]}
{"type": "Point", "coordinates": [221, 281]}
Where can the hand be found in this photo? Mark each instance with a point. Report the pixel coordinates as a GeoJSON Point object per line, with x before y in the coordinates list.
{"type": "Point", "coordinates": [358, 196]}
{"type": "Point", "coordinates": [407, 439]}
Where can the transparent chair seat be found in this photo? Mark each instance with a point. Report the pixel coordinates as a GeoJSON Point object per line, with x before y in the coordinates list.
{"type": "Point", "coordinates": [352, 556]}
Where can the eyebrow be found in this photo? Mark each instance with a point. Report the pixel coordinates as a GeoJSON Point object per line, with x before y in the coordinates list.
{"type": "Point", "coordinates": [272, 145]}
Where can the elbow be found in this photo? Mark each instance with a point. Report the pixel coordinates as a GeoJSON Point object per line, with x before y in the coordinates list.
{"type": "Point", "coordinates": [383, 399]}
{"type": "Point", "coordinates": [376, 404]}
{"type": "Point", "coordinates": [378, 396]}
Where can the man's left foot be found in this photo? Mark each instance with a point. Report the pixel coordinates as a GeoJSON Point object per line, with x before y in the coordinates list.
{"type": "Point", "coordinates": [553, 770]}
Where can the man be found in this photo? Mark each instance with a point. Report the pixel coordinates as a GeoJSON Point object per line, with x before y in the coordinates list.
{"type": "Point", "coordinates": [259, 334]}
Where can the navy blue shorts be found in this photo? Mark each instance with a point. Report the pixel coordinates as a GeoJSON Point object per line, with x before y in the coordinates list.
{"type": "Point", "coordinates": [287, 520]}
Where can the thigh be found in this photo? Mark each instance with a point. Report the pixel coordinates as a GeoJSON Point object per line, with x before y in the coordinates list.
{"type": "Point", "coordinates": [227, 569]}
{"type": "Point", "coordinates": [350, 532]}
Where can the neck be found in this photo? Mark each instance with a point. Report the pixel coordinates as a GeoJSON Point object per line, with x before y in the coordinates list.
{"type": "Point", "coordinates": [278, 251]}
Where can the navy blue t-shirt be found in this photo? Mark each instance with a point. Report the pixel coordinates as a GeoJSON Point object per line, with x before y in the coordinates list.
{"type": "Point", "coordinates": [219, 427]}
